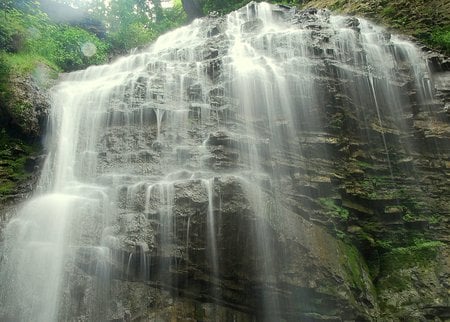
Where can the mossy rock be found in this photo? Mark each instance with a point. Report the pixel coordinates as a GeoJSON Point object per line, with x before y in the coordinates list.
{"type": "Point", "coordinates": [18, 160]}
{"type": "Point", "coordinates": [413, 280]}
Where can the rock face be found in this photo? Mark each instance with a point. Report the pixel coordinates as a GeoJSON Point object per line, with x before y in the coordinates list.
{"type": "Point", "coordinates": [271, 165]}
{"type": "Point", "coordinates": [424, 20]}
{"type": "Point", "coordinates": [29, 103]}
{"type": "Point", "coordinates": [23, 116]}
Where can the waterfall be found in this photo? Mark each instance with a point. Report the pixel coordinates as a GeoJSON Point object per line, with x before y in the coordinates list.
{"type": "Point", "coordinates": [167, 170]}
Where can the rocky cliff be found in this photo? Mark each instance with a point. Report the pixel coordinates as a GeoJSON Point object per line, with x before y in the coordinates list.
{"type": "Point", "coordinates": [311, 190]}
{"type": "Point", "coordinates": [23, 116]}
{"type": "Point", "coordinates": [427, 21]}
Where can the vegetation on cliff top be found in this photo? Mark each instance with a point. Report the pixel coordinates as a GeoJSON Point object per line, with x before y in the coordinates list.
{"type": "Point", "coordinates": [428, 21]}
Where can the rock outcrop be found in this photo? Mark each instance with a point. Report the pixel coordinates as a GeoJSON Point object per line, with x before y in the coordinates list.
{"type": "Point", "coordinates": [23, 118]}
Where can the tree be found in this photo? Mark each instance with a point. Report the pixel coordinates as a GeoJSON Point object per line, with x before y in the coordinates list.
{"type": "Point", "coordinates": [223, 6]}
{"type": "Point", "coordinates": [131, 23]}
{"type": "Point", "coordinates": [193, 9]}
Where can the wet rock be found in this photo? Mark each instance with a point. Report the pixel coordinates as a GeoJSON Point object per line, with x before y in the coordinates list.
{"type": "Point", "coordinates": [221, 138]}
{"type": "Point", "coordinates": [213, 69]}
{"type": "Point", "coordinates": [352, 23]}
{"type": "Point", "coordinates": [311, 11]}
{"type": "Point", "coordinates": [213, 31]}
{"type": "Point", "coordinates": [157, 146]}
{"type": "Point", "coordinates": [28, 105]}
{"type": "Point", "coordinates": [252, 26]}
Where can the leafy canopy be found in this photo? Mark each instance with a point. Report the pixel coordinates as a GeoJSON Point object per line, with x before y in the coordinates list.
{"type": "Point", "coordinates": [33, 34]}
{"type": "Point", "coordinates": [131, 23]}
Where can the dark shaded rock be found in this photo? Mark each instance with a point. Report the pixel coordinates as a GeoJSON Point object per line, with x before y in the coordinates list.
{"type": "Point", "coordinates": [252, 25]}
{"type": "Point", "coordinates": [311, 11]}
{"type": "Point", "coordinates": [352, 23]}
{"type": "Point", "coordinates": [213, 31]}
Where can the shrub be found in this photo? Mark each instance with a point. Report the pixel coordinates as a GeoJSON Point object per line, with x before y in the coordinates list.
{"type": "Point", "coordinates": [34, 35]}
{"type": "Point", "coordinates": [441, 39]}
{"type": "Point", "coordinates": [69, 47]}
{"type": "Point", "coordinates": [131, 36]}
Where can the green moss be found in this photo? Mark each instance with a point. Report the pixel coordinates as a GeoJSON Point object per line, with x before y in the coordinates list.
{"type": "Point", "coordinates": [20, 65]}
{"type": "Point", "coordinates": [6, 187]}
{"type": "Point", "coordinates": [340, 234]}
{"type": "Point", "coordinates": [440, 38]}
{"type": "Point", "coordinates": [355, 265]}
{"type": "Point", "coordinates": [395, 282]}
{"type": "Point", "coordinates": [379, 187]}
{"type": "Point", "coordinates": [385, 245]}
{"type": "Point", "coordinates": [434, 219]}
{"type": "Point", "coordinates": [396, 264]}
{"type": "Point", "coordinates": [388, 11]}
{"type": "Point", "coordinates": [422, 253]}
{"type": "Point", "coordinates": [364, 165]}
{"type": "Point", "coordinates": [14, 154]}
{"type": "Point", "coordinates": [353, 261]}
{"type": "Point", "coordinates": [333, 210]}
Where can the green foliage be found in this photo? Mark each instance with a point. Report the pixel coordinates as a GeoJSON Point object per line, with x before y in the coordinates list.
{"type": "Point", "coordinates": [14, 154]}
{"type": "Point", "coordinates": [12, 30]}
{"type": "Point", "coordinates": [4, 79]}
{"type": "Point", "coordinates": [66, 46]}
{"type": "Point", "coordinates": [422, 253]}
{"type": "Point", "coordinates": [364, 165]}
{"type": "Point", "coordinates": [223, 6]}
{"type": "Point", "coordinates": [22, 63]}
{"type": "Point", "coordinates": [23, 5]}
{"type": "Point", "coordinates": [434, 219]}
{"type": "Point", "coordinates": [33, 36]}
{"type": "Point", "coordinates": [333, 210]}
{"type": "Point", "coordinates": [133, 23]}
{"type": "Point", "coordinates": [384, 245]}
{"type": "Point", "coordinates": [6, 187]}
{"type": "Point", "coordinates": [340, 234]}
{"type": "Point", "coordinates": [380, 187]}
{"type": "Point", "coordinates": [395, 264]}
{"type": "Point", "coordinates": [441, 39]}
{"type": "Point", "coordinates": [170, 18]}
{"type": "Point", "coordinates": [227, 6]}
{"type": "Point", "coordinates": [388, 11]}
{"type": "Point", "coordinates": [130, 36]}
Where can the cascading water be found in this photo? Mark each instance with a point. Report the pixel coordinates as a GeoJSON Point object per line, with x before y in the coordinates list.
{"type": "Point", "coordinates": [167, 169]}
